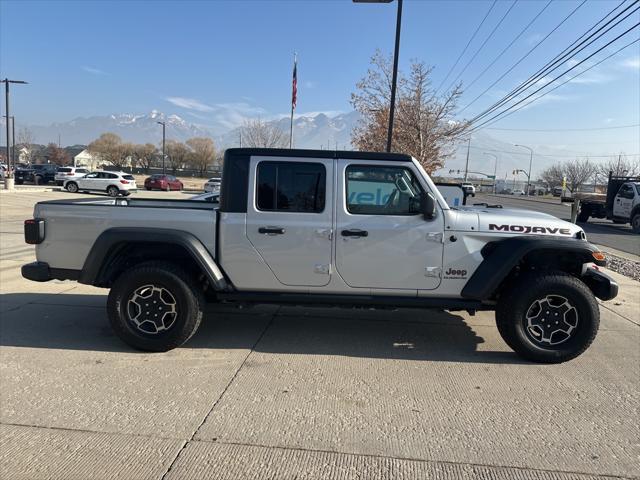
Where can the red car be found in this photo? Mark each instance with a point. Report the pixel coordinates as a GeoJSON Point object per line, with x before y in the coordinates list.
{"type": "Point", "coordinates": [162, 182]}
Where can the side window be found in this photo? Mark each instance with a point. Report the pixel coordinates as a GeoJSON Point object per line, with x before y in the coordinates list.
{"type": "Point", "coordinates": [93, 175]}
{"type": "Point", "coordinates": [382, 190]}
{"type": "Point", "coordinates": [291, 187]}
{"type": "Point", "coordinates": [626, 191]}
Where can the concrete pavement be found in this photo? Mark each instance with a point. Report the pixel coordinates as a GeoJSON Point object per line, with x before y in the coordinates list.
{"type": "Point", "coordinates": [274, 392]}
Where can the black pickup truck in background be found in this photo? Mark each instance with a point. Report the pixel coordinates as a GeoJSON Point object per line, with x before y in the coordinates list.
{"type": "Point", "coordinates": [37, 174]}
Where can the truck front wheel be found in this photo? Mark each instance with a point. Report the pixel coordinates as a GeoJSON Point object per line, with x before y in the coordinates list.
{"type": "Point", "coordinates": [635, 222]}
{"type": "Point", "coordinates": [548, 317]}
{"type": "Point", "coordinates": [155, 307]}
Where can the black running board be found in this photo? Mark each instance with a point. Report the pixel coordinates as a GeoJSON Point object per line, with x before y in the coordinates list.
{"type": "Point", "coordinates": [367, 301]}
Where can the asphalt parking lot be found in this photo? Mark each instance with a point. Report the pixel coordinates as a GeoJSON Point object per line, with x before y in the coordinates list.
{"type": "Point", "coordinates": [272, 392]}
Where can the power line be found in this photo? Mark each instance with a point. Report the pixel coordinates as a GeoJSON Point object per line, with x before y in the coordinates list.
{"type": "Point", "coordinates": [483, 44]}
{"type": "Point", "coordinates": [526, 55]}
{"type": "Point", "coordinates": [536, 154]}
{"type": "Point", "coordinates": [467, 45]}
{"type": "Point", "coordinates": [558, 60]}
{"type": "Point", "coordinates": [510, 44]}
{"type": "Point", "coordinates": [563, 74]}
{"type": "Point", "coordinates": [566, 129]}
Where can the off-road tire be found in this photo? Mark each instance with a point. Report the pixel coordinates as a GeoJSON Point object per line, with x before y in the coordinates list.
{"type": "Point", "coordinates": [188, 297]}
{"type": "Point", "coordinates": [516, 301]}
{"type": "Point", "coordinates": [113, 191]}
{"type": "Point", "coordinates": [71, 187]}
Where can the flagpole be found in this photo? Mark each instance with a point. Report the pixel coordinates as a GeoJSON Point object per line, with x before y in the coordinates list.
{"type": "Point", "coordinates": [294, 93]}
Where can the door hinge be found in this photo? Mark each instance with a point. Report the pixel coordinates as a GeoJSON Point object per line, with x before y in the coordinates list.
{"type": "Point", "coordinates": [433, 272]}
{"type": "Point", "coordinates": [325, 233]}
{"type": "Point", "coordinates": [324, 269]}
{"type": "Point", "coordinates": [435, 237]}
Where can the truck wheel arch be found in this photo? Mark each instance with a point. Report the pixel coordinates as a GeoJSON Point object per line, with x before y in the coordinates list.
{"type": "Point", "coordinates": [113, 243]}
{"type": "Point", "coordinates": [501, 259]}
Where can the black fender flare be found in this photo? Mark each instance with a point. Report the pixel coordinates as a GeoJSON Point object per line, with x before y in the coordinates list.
{"type": "Point", "coordinates": [103, 251]}
{"type": "Point", "coordinates": [500, 257]}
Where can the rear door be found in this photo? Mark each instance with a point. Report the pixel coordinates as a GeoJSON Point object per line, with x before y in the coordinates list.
{"type": "Point", "coordinates": [290, 217]}
{"type": "Point", "coordinates": [382, 239]}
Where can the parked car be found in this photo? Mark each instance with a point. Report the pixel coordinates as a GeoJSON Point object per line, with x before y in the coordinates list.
{"type": "Point", "coordinates": [37, 174]}
{"type": "Point", "coordinates": [557, 191]}
{"type": "Point", "coordinates": [212, 185]}
{"type": "Point", "coordinates": [212, 197]}
{"type": "Point", "coordinates": [67, 173]}
{"type": "Point", "coordinates": [517, 192]}
{"type": "Point", "coordinates": [162, 182]}
{"type": "Point", "coordinates": [325, 227]}
{"type": "Point", "coordinates": [469, 189]}
{"type": "Point", "coordinates": [113, 183]}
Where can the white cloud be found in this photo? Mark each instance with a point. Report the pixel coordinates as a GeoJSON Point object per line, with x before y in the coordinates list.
{"type": "Point", "coordinates": [189, 104]}
{"type": "Point", "coordinates": [632, 63]}
{"type": "Point", "coordinates": [609, 120]}
{"type": "Point", "coordinates": [93, 70]}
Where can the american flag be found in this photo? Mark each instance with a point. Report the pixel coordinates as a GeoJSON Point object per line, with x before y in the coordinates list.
{"type": "Point", "coordinates": [294, 94]}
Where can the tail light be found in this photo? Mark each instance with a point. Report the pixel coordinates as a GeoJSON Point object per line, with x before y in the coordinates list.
{"type": "Point", "coordinates": [34, 231]}
{"type": "Point", "coordinates": [124, 182]}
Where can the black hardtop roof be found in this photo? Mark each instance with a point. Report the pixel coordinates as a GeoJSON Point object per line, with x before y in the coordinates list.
{"type": "Point", "coordinates": [298, 153]}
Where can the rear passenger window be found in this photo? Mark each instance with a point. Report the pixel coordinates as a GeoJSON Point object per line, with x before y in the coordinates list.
{"type": "Point", "coordinates": [291, 186]}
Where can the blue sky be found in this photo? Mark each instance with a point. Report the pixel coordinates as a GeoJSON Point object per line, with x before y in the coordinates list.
{"type": "Point", "coordinates": [218, 62]}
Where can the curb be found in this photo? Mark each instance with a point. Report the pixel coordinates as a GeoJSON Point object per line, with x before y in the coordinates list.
{"type": "Point", "coordinates": [518, 197]}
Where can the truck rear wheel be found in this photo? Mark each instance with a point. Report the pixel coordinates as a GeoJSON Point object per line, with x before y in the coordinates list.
{"type": "Point", "coordinates": [155, 307]}
{"type": "Point", "coordinates": [584, 214]}
{"type": "Point", "coordinates": [548, 317]}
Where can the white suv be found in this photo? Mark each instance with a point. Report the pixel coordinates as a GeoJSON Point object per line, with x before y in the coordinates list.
{"type": "Point", "coordinates": [113, 183]}
{"type": "Point", "coordinates": [69, 173]}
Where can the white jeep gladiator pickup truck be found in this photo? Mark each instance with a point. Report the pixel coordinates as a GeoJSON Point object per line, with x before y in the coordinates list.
{"type": "Point", "coordinates": [349, 229]}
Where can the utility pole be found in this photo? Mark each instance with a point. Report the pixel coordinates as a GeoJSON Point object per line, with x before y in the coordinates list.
{"type": "Point", "coordinates": [240, 138]}
{"type": "Point", "coordinates": [6, 82]}
{"type": "Point", "coordinates": [466, 167]}
{"type": "Point", "coordinates": [163, 140]}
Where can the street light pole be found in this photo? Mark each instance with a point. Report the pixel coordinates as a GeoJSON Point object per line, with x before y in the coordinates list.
{"type": "Point", "coordinates": [394, 78]}
{"type": "Point", "coordinates": [495, 169]}
{"type": "Point", "coordinates": [6, 82]}
{"type": "Point", "coordinates": [13, 141]}
{"type": "Point", "coordinates": [530, 163]}
{"type": "Point", "coordinates": [163, 140]}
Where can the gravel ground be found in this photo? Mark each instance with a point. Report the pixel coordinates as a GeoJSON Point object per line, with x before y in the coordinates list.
{"type": "Point", "coordinates": [623, 266]}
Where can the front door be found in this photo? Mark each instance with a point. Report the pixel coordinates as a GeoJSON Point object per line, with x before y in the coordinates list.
{"type": "Point", "coordinates": [623, 202]}
{"type": "Point", "coordinates": [290, 218]}
{"type": "Point", "coordinates": [382, 239]}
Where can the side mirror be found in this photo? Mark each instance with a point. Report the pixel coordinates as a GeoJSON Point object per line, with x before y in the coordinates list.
{"type": "Point", "coordinates": [428, 206]}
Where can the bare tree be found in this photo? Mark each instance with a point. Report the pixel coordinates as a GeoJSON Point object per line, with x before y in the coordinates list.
{"type": "Point", "coordinates": [202, 154]}
{"type": "Point", "coordinates": [620, 166]}
{"type": "Point", "coordinates": [178, 155]}
{"type": "Point", "coordinates": [57, 155]}
{"type": "Point", "coordinates": [578, 172]}
{"type": "Point", "coordinates": [145, 155]}
{"type": "Point", "coordinates": [25, 140]}
{"type": "Point", "coordinates": [257, 133]}
{"type": "Point", "coordinates": [424, 124]}
{"type": "Point", "coordinates": [553, 176]}
{"type": "Point", "coordinates": [110, 149]}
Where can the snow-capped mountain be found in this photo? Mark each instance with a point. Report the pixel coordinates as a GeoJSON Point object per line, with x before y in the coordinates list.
{"type": "Point", "coordinates": [309, 131]}
{"type": "Point", "coordinates": [131, 127]}
{"type": "Point", "coordinates": [314, 130]}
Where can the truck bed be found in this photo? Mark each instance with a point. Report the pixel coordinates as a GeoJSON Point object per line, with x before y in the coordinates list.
{"type": "Point", "coordinates": [72, 226]}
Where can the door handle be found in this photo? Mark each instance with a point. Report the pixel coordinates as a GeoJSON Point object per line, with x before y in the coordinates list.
{"type": "Point", "coordinates": [271, 230]}
{"type": "Point", "coordinates": [354, 233]}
